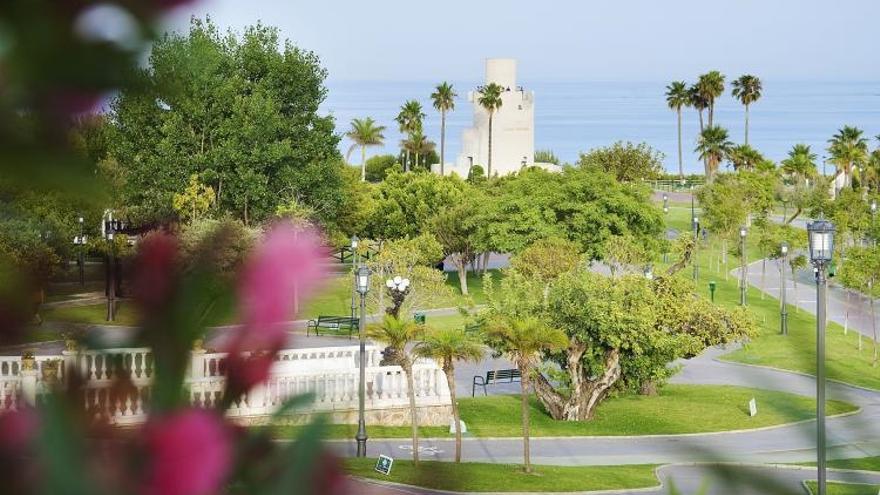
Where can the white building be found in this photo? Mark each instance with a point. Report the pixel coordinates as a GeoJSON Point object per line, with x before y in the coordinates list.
{"type": "Point", "coordinates": [513, 126]}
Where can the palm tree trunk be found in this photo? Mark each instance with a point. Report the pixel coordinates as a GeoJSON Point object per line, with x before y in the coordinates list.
{"type": "Point", "coordinates": [711, 112]}
{"type": "Point", "coordinates": [363, 163]}
{"type": "Point", "coordinates": [442, 141]}
{"type": "Point", "coordinates": [680, 165]}
{"type": "Point", "coordinates": [450, 380]}
{"type": "Point", "coordinates": [489, 169]}
{"type": "Point", "coordinates": [702, 127]}
{"type": "Point", "coordinates": [524, 404]}
{"type": "Point", "coordinates": [413, 415]}
{"type": "Point", "coordinates": [747, 124]}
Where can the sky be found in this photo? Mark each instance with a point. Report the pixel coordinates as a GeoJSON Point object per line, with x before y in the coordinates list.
{"type": "Point", "coordinates": [569, 40]}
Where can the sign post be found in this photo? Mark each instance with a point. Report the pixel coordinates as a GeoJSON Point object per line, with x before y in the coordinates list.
{"type": "Point", "coordinates": [383, 465]}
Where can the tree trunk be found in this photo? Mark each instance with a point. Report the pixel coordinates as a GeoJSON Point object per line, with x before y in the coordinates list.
{"type": "Point", "coordinates": [524, 406]}
{"type": "Point", "coordinates": [587, 391]}
{"type": "Point", "coordinates": [489, 169]}
{"type": "Point", "coordinates": [486, 262]}
{"type": "Point", "coordinates": [413, 414]}
{"type": "Point", "coordinates": [461, 265]}
{"type": "Point", "coordinates": [406, 162]}
{"type": "Point", "coordinates": [442, 142]}
{"type": "Point", "coordinates": [246, 222]}
{"type": "Point", "coordinates": [363, 163]}
{"type": "Point", "coordinates": [747, 124]}
{"type": "Point", "coordinates": [680, 162]}
{"type": "Point", "coordinates": [711, 112]}
{"type": "Point", "coordinates": [648, 388]}
{"type": "Point", "coordinates": [449, 370]}
{"type": "Point", "coordinates": [702, 128]}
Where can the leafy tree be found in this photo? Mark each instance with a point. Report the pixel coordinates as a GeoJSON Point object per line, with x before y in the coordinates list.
{"type": "Point", "coordinates": [524, 341]}
{"type": "Point", "coordinates": [457, 229]}
{"type": "Point", "coordinates": [626, 161]}
{"type": "Point", "coordinates": [860, 271]}
{"type": "Point", "coordinates": [546, 260]}
{"type": "Point", "coordinates": [398, 334]}
{"type": "Point", "coordinates": [195, 201]}
{"type": "Point", "coordinates": [800, 163]}
{"type": "Point", "coordinates": [770, 237]}
{"type": "Point", "coordinates": [546, 156]}
{"type": "Point", "coordinates": [622, 252]}
{"type": "Point", "coordinates": [713, 146]}
{"type": "Point", "coordinates": [406, 203]}
{"type": "Point", "coordinates": [744, 157]}
{"type": "Point", "coordinates": [241, 112]}
{"type": "Point", "coordinates": [490, 100]}
{"type": "Point", "coordinates": [698, 102]}
{"type": "Point", "coordinates": [409, 119]}
{"type": "Point", "coordinates": [380, 165]}
{"type": "Point", "coordinates": [847, 149]}
{"type": "Point", "coordinates": [444, 101]}
{"type": "Point", "coordinates": [447, 346]}
{"type": "Point", "coordinates": [418, 145]}
{"type": "Point", "coordinates": [363, 133]}
{"type": "Point", "coordinates": [711, 86]}
{"type": "Point", "coordinates": [677, 97]}
{"type": "Point", "coordinates": [747, 89]}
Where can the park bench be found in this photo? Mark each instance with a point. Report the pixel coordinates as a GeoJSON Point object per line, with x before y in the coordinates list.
{"type": "Point", "coordinates": [332, 323]}
{"type": "Point", "coordinates": [493, 377]}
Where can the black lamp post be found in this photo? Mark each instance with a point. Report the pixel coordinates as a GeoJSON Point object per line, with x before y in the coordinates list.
{"type": "Point", "coordinates": [742, 275]}
{"type": "Point", "coordinates": [109, 232]}
{"type": "Point", "coordinates": [81, 242]}
{"type": "Point", "coordinates": [783, 312]}
{"type": "Point", "coordinates": [354, 267]}
{"type": "Point", "coordinates": [696, 225]}
{"type": "Point", "coordinates": [821, 237]}
{"type": "Point", "coordinates": [363, 286]}
{"type": "Point", "coordinates": [873, 216]}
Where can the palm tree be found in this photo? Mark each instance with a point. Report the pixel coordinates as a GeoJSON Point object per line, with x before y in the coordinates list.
{"type": "Point", "coordinates": [444, 101]}
{"type": "Point", "coordinates": [364, 132]}
{"type": "Point", "coordinates": [417, 144]}
{"type": "Point", "coordinates": [710, 87]}
{"type": "Point", "coordinates": [676, 97]}
{"type": "Point", "coordinates": [524, 341]}
{"type": "Point", "coordinates": [847, 149]}
{"type": "Point", "coordinates": [713, 146]}
{"type": "Point", "coordinates": [448, 346]}
{"type": "Point", "coordinates": [490, 99]}
{"type": "Point", "coordinates": [397, 334]}
{"type": "Point", "coordinates": [801, 163]}
{"type": "Point", "coordinates": [699, 103]}
{"type": "Point", "coordinates": [409, 119]}
{"type": "Point", "coordinates": [744, 157]}
{"type": "Point", "coordinates": [748, 90]}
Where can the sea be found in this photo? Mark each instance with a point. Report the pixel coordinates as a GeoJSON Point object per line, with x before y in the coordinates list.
{"type": "Point", "coordinates": [574, 117]}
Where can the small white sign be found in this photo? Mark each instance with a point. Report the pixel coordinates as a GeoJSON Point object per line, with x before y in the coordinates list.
{"type": "Point", "coordinates": [461, 425]}
{"type": "Point", "coordinates": [753, 407]}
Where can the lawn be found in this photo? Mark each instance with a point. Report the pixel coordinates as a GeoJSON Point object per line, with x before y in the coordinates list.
{"type": "Point", "coordinates": [797, 351]}
{"type": "Point", "coordinates": [857, 463]}
{"type": "Point", "coordinates": [483, 477]}
{"type": "Point", "coordinates": [834, 488]}
{"type": "Point", "coordinates": [673, 411]}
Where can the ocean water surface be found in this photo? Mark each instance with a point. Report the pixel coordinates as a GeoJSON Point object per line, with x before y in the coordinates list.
{"type": "Point", "coordinates": [573, 117]}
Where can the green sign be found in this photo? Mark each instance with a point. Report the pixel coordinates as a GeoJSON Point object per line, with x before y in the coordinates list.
{"type": "Point", "coordinates": [383, 465]}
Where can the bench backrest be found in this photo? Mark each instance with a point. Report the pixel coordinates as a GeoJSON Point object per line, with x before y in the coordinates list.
{"type": "Point", "coordinates": [503, 374]}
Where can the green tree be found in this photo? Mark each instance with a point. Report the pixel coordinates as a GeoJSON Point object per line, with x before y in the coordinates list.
{"type": "Point", "coordinates": [713, 146]}
{"type": "Point", "coordinates": [195, 201]}
{"type": "Point", "coordinates": [698, 102]}
{"type": "Point", "coordinates": [447, 346]}
{"type": "Point", "coordinates": [444, 101]}
{"type": "Point", "coordinates": [524, 341]}
{"type": "Point", "coordinates": [747, 89]}
{"type": "Point", "coordinates": [406, 203]}
{"type": "Point", "coordinates": [860, 271]}
{"type": "Point", "coordinates": [847, 149]}
{"type": "Point", "coordinates": [398, 334]}
{"type": "Point", "coordinates": [546, 156]}
{"type": "Point", "coordinates": [800, 163]}
{"type": "Point", "coordinates": [710, 87]}
{"type": "Point", "coordinates": [628, 162]}
{"type": "Point", "coordinates": [744, 157]}
{"type": "Point", "coordinates": [364, 133]}
{"type": "Point", "coordinates": [622, 252]}
{"type": "Point", "coordinates": [457, 229]}
{"type": "Point", "coordinates": [677, 97]}
{"type": "Point", "coordinates": [490, 100]}
{"type": "Point", "coordinates": [408, 120]}
{"type": "Point", "coordinates": [417, 145]}
{"type": "Point", "coordinates": [546, 260]}
{"type": "Point", "coordinates": [380, 165]}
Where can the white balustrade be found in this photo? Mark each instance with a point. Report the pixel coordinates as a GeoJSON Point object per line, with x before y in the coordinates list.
{"type": "Point", "coordinates": [330, 373]}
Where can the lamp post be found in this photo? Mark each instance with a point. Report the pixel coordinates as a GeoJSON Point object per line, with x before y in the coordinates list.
{"type": "Point", "coordinates": [873, 216]}
{"type": "Point", "coordinates": [363, 286]}
{"type": "Point", "coordinates": [742, 270]}
{"type": "Point", "coordinates": [696, 225]}
{"type": "Point", "coordinates": [354, 267]}
{"type": "Point", "coordinates": [821, 237]}
{"type": "Point", "coordinates": [783, 312]}
{"type": "Point", "coordinates": [712, 286]}
{"type": "Point", "coordinates": [665, 203]}
{"type": "Point", "coordinates": [109, 232]}
{"type": "Point", "coordinates": [81, 242]}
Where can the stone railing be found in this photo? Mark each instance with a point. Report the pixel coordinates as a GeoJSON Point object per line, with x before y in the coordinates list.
{"type": "Point", "coordinates": [330, 373]}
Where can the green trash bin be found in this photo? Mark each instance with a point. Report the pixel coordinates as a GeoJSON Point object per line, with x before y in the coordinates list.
{"type": "Point", "coordinates": [420, 318]}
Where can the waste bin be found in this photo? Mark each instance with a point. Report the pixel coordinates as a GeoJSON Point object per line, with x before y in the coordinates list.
{"type": "Point", "coordinates": [420, 318]}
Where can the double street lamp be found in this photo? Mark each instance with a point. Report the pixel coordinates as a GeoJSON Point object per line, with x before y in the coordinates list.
{"type": "Point", "coordinates": [783, 311]}
{"type": "Point", "coordinates": [821, 238]}
{"type": "Point", "coordinates": [665, 203]}
{"type": "Point", "coordinates": [362, 284]}
{"type": "Point", "coordinates": [742, 271]}
{"type": "Point", "coordinates": [354, 266]}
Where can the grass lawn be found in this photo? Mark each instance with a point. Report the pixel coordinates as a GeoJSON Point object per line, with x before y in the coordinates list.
{"type": "Point", "coordinates": [857, 463]}
{"type": "Point", "coordinates": [126, 314]}
{"type": "Point", "coordinates": [673, 411]}
{"type": "Point", "coordinates": [835, 488]}
{"type": "Point", "coordinates": [483, 477]}
{"type": "Point", "coordinates": [797, 351]}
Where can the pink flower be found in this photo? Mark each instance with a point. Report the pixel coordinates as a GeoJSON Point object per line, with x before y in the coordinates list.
{"type": "Point", "coordinates": [17, 429]}
{"type": "Point", "coordinates": [190, 453]}
{"type": "Point", "coordinates": [154, 274]}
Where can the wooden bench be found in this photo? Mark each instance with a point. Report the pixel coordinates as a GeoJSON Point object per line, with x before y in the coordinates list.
{"type": "Point", "coordinates": [332, 323]}
{"type": "Point", "coordinates": [493, 377]}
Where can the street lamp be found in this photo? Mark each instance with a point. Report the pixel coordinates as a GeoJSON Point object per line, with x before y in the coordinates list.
{"type": "Point", "coordinates": [665, 203]}
{"type": "Point", "coordinates": [109, 232]}
{"type": "Point", "coordinates": [81, 242]}
{"type": "Point", "coordinates": [821, 237]}
{"type": "Point", "coordinates": [696, 225]}
{"type": "Point", "coordinates": [742, 275]}
{"type": "Point", "coordinates": [354, 267]}
{"type": "Point", "coordinates": [873, 216]}
{"type": "Point", "coordinates": [362, 283]}
{"type": "Point", "coordinates": [783, 312]}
